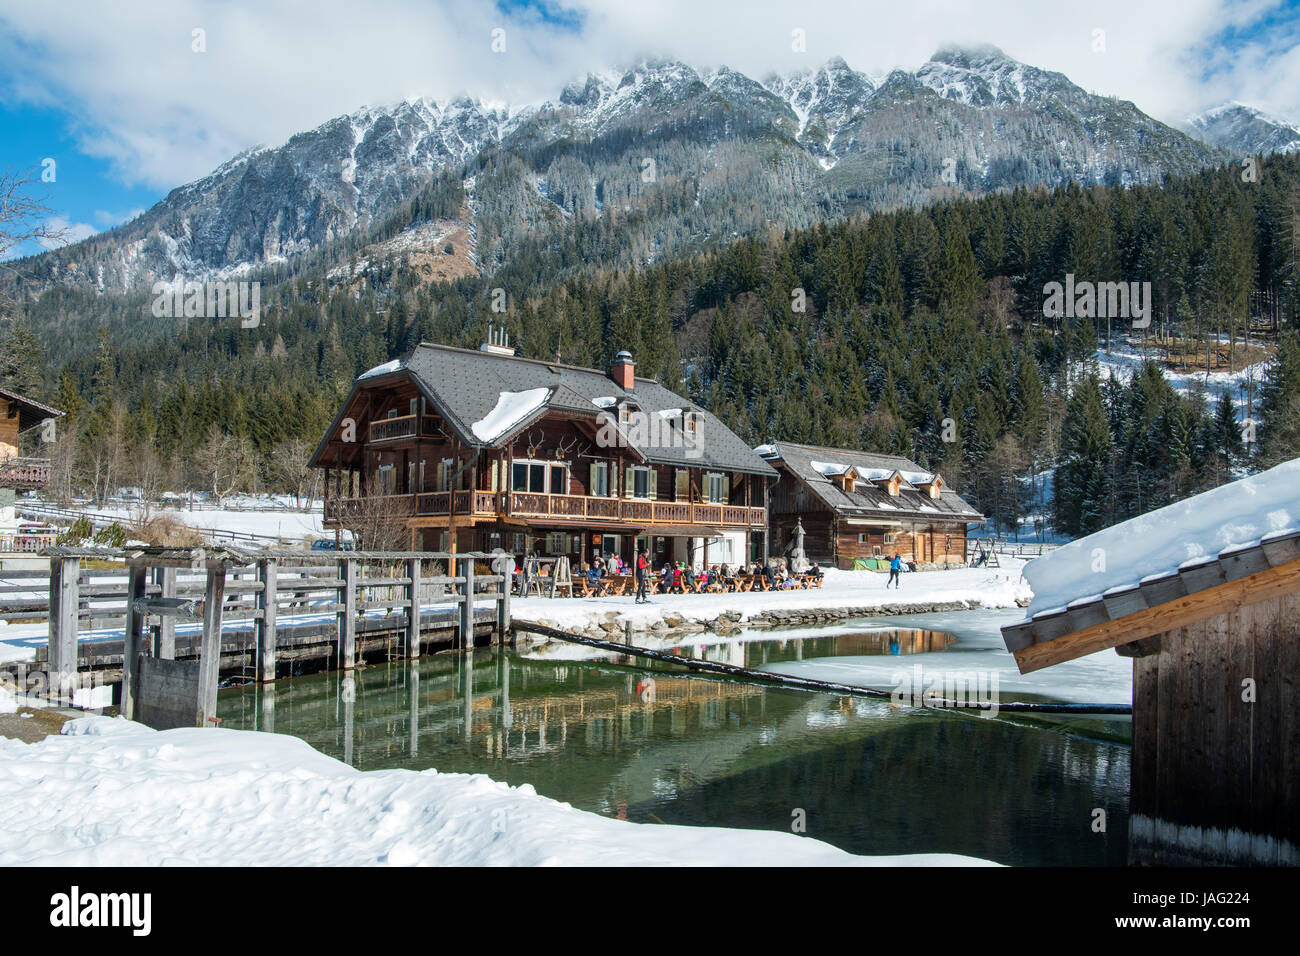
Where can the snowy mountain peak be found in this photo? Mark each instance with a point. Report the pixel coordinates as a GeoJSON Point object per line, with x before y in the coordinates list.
{"type": "Point", "coordinates": [1245, 130]}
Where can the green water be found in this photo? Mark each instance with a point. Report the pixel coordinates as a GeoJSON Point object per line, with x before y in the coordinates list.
{"type": "Point", "coordinates": [867, 777]}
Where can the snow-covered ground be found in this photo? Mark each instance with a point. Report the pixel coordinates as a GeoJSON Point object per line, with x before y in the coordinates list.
{"type": "Point", "coordinates": [284, 523]}
{"type": "Point", "coordinates": [978, 587]}
{"type": "Point", "coordinates": [112, 792]}
{"type": "Point", "coordinates": [1125, 359]}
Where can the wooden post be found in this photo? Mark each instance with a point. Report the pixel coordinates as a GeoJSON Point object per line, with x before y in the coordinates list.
{"type": "Point", "coordinates": [131, 639]}
{"type": "Point", "coordinates": [413, 608]}
{"type": "Point", "coordinates": [65, 597]}
{"type": "Point", "coordinates": [267, 602]}
{"type": "Point", "coordinates": [165, 578]}
{"type": "Point", "coordinates": [210, 646]}
{"type": "Point", "coordinates": [503, 600]}
{"type": "Point", "coordinates": [467, 606]}
{"type": "Point", "coordinates": [348, 614]}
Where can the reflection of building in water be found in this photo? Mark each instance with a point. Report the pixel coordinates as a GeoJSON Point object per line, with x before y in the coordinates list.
{"type": "Point", "coordinates": [536, 720]}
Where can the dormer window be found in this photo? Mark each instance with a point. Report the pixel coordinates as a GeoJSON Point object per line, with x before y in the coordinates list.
{"type": "Point", "coordinates": [689, 423]}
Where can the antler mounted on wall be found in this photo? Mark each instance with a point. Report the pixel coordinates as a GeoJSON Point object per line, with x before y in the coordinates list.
{"type": "Point", "coordinates": [570, 450]}
{"type": "Point", "coordinates": [535, 443]}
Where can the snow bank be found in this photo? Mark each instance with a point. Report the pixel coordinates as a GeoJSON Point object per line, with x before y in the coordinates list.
{"type": "Point", "coordinates": [8, 702]}
{"type": "Point", "coordinates": [111, 792]}
{"type": "Point", "coordinates": [511, 408]}
{"type": "Point", "coordinates": [1238, 513]}
{"type": "Point", "coordinates": [978, 587]}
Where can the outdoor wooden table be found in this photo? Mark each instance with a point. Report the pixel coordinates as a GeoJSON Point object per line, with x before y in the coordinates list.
{"type": "Point", "coordinates": [619, 583]}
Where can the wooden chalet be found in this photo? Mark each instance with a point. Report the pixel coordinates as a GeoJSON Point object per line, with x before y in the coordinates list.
{"type": "Point", "coordinates": [856, 505]}
{"type": "Point", "coordinates": [478, 450]}
{"type": "Point", "coordinates": [19, 414]}
{"type": "Point", "coordinates": [1215, 643]}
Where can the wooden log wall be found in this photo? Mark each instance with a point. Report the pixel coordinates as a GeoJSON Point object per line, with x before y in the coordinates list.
{"type": "Point", "coordinates": [1215, 774]}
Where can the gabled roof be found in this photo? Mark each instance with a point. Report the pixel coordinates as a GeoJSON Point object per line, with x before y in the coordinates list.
{"type": "Point", "coordinates": [816, 466]}
{"type": "Point", "coordinates": [1096, 591]}
{"type": "Point", "coordinates": [466, 386]}
{"type": "Point", "coordinates": [30, 412]}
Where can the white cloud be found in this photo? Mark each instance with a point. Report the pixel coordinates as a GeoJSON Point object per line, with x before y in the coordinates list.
{"type": "Point", "coordinates": [61, 231]}
{"type": "Point", "coordinates": [163, 114]}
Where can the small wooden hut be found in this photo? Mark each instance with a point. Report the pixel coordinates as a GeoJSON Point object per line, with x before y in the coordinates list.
{"type": "Point", "coordinates": [1215, 643]}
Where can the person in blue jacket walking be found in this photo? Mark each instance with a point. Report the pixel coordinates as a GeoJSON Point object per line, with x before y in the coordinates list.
{"type": "Point", "coordinates": [895, 569]}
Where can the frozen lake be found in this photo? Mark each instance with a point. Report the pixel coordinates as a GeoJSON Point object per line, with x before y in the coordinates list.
{"type": "Point", "coordinates": [863, 775]}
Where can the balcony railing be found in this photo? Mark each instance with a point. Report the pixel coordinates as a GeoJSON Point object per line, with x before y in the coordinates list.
{"type": "Point", "coordinates": [404, 426]}
{"type": "Point", "coordinates": [24, 472]}
{"type": "Point", "coordinates": [26, 543]}
{"type": "Point", "coordinates": [567, 507]}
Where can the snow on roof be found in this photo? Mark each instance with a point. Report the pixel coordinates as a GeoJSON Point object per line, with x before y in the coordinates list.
{"type": "Point", "coordinates": [605, 401]}
{"type": "Point", "coordinates": [511, 408]}
{"type": "Point", "coordinates": [886, 506]}
{"type": "Point", "coordinates": [1160, 542]}
{"type": "Point", "coordinates": [829, 469]}
{"type": "Point", "coordinates": [384, 369]}
{"type": "Point", "coordinates": [670, 413]}
{"type": "Point", "coordinates": [765, 451]}
{"type": "Point", "coordinates": [917, 477]}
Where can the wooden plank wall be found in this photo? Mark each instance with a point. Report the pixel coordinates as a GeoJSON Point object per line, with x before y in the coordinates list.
{"type": "Point", "coordinates": [1215, 778]}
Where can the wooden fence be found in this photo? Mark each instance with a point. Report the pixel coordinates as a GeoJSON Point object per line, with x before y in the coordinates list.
{"type": "Point", "coordinates": [275, 591]}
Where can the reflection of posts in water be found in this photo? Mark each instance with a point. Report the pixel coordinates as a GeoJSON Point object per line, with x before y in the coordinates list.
{"type": "Point", "coordinates": [468, 688]}
{"type": "Point", "coordinates": [415, 709]}
{"type": "Point", "coordinates": [798, 648]}
{"type": "Point", "coordinates": [268, 709]}
{"type": "Point", "coordinates": [349, 696]}
{"type": "Point", "coordinates": [503, 682]}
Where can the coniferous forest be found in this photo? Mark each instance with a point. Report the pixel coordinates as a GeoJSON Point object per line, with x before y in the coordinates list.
{"type": "Point", "coordinates": [918, 331]}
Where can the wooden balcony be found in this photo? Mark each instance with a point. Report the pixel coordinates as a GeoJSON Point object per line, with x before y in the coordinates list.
{"type": "Point", "coordinates": [24, 473]}
{"type": "Point", "coordinates": [404, 426]}
{"type": "Point", "coordinates": [564, 507]}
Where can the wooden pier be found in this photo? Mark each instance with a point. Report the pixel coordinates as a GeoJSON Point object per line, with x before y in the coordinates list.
{"type": "Point", "coordinates": [261, 613]}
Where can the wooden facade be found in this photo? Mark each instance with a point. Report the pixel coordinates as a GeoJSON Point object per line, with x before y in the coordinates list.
{"type": "Point", "coordinates": [549, 489]}
{"type": "Point", "coordinates": [840, 535]}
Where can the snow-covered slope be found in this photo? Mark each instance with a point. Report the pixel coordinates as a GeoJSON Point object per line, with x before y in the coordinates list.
{"type": "Point", "coordinates": [116, 793]}
{"type": "Point", "coordinates": [810, 145]}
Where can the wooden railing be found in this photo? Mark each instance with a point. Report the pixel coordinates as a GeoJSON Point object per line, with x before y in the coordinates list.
{"type": "Point", "coordinates": [403, 426]}
{"type": "Point", "coordinates": [24, 472]}
{"type": "Point", "coordinates": [531, 503]}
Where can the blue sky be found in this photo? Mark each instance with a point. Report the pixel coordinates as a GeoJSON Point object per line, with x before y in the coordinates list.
{"type": "Point", "coordinates": [118, 96]}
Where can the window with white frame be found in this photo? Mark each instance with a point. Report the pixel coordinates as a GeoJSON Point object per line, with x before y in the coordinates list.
{"type": "Point", "coordinates": [538, 476]}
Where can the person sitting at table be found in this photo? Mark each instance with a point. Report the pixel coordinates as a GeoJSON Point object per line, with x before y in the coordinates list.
{"type": "Point", "coordinates": [814, 572]}
{"type": "Point", "coordinates": [688, 576]}
{"type": "Point", "coordinates": [595, 576]}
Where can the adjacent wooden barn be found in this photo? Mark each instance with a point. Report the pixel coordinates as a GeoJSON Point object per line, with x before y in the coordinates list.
{"type": "Point", "coordinates": [858, 506]}
{"type": "Point", "coordinates": [1215, 643]}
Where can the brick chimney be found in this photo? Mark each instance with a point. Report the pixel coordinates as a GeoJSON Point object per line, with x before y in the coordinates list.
{"type": "Point", "coordinates": [624, 371]}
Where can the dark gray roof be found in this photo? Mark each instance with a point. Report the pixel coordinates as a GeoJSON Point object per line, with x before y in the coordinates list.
{"type": "Point", "coordinates": [870, 502]}
{"type": "Point", "coordinates": [465, 386]}
{"type": "Point", "coordinates": [30, 412]}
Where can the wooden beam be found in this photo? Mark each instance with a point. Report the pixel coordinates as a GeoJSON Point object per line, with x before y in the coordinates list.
{"type": "Point", "coordinates": [268, 600]}
{"type": "Point", "coordinates": [1163, 617]}
{"type": "Point", "coordinates": [131, 640]}
{"type": "Point", "coordinates": [210, 647]}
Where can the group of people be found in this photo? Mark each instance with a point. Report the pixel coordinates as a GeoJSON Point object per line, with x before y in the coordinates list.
{"type": "Point", "coordinates": [682, 577]}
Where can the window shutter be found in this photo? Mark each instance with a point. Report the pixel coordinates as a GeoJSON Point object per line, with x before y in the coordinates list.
{"type": "Point", "coordinates": [726, 489]}
{"type": "Point", "coordinates": [442, 476]}
{"type": "Point", "coordinates": [591, 478]}
{"type": "Point", "coordinates": [495, 474]}
{"type": "Point", "coordinates": [682, 490]}
{"type": "Point", "coordinates": [653, 484]}
{"type": "Point", "coordinates": [629, 481]}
